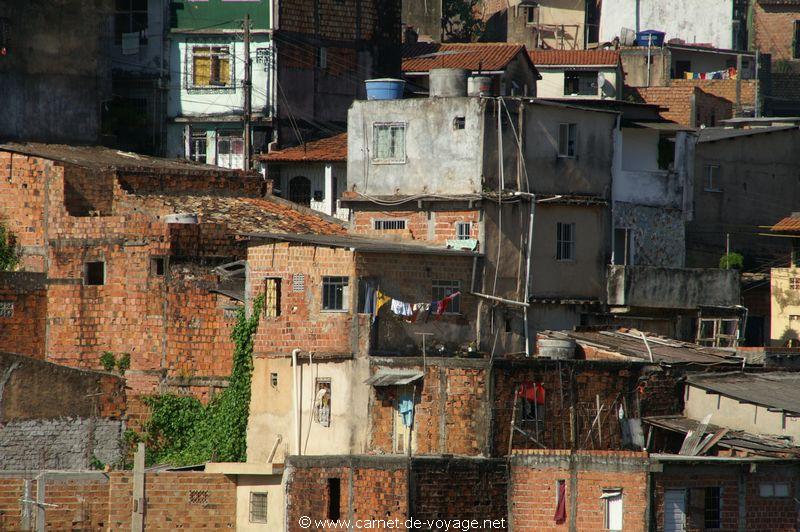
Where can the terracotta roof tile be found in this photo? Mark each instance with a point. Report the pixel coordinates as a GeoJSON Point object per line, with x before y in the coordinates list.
{"type": "Point", "coordinates": [330, 149]}
{"type": "Point", "coordinates": [244, 215]}
{"type": "Point", "coordinates": [419, 57]}
{"type": "Point", "coordinates": [574, 57]}
{"type": "Point", "coordinates": [788, 224]}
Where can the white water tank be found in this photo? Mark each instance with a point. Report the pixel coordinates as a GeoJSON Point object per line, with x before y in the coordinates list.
{"type": "Point", "coordinates": [448, 82]}
{"type": "Point", "coordinates": [479, 86]}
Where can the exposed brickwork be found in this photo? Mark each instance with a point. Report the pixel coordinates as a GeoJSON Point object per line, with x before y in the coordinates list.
{"type": "Point", "coordinates": [23, 331]}
{"type": "Point", "coordinates": [434, 226]}
{"type": "Point", "coordinates": [534, 479]}
{"type": "Point", "coordinates": [677, 99]}
{"type": "Point", "coordinates": [773, 29]}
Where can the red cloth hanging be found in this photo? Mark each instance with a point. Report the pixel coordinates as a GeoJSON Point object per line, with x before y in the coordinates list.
{"type": "Point", "coordinates": [532, 392]}
{"type": "Point", "coordinates": [540, 394]}
{"type": "Point", "coordinates": [561, 507]}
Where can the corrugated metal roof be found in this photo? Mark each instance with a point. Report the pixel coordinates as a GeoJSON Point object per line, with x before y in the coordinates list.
{"type": "Point", "coordinates": [628, 343]}
{"type": "Point", "coordinates": [574, 57]}
{"type": "Point", "coordinates": [713, 134]}
{"type": "Point", "coordinates": [735, 439]}
{"type": "Point", "coordinates": [486, 57]}
{"type": "Point", "coordinates": [778, 390]}
{"type": "Point", "coordinates": [364, 244]}
{"type": "Point", "coordinates": [330, 149]}
{"type": "Point", "coordinates": [393, 377]}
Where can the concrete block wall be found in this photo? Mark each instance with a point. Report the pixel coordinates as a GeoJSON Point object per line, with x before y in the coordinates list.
{"type": "Point", "coordinates": [534, 475]}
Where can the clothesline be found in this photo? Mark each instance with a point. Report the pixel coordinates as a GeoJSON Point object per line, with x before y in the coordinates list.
{"type": "Point", "coordinates": [375, 300]}
{"type": "Point", "coordinates": [728, 73]}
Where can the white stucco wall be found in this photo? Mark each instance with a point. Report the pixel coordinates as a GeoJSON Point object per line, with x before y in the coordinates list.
{"type": "Point", "coordinates": [709, 21]}
{"type": "Point", "coordinates": [727, 412]}
{"type": "Point", "coordinates": [273, 486]}
{"type": "Point", "coordinates": [185, 101]}
{"type": "Point", "coordinates": [150, 57]}
{"type": "Point", "coordinates": [316, 173]}
{"type": "Point", "coordinates": [552, 84]}
{"type": "Point", "coordinates": [271, 408]}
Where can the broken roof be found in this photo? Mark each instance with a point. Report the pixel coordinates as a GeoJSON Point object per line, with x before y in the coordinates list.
{"type": "Point", "coordinates": [628, 343]}
{"type": "Point", "coordinates": [244, 215]}
{"type": "Point", "coordinates": [330, 149]}
{"type": "Point", "coordinates": [102, 158]}
{"type": "Point", "coordinates": [775, 390]}
{"type": "Point", "coordinates": [483, 57]}
{"type": "Point", "coordinates": [737, 440]}
{"type": "Point", "coordinates": [545, 58]}
{"type": "Point", "coordinates": [363, 244]}
{"type": "Point", "coordinates": [713, 134]}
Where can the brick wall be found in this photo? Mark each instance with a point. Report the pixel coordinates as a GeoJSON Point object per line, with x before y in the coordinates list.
{"type": "Point", "coordinates": [23, 331]}
{"type": "Point", "coordinates": [708, 109]}
{"type": "Point", "coordinates": [450, 413]}
{"type": "Point", "coordinates": [773, 30]}
{"type": "Point", "coordinates": [723, 88]}
{"type": "Point", "coordinates": [437, 226]}
{"type": "Point", "coordinates": [533, 483]}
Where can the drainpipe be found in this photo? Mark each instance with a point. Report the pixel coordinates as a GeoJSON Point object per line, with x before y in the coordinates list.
{"type": "Point", "coordinates": [296, 401]}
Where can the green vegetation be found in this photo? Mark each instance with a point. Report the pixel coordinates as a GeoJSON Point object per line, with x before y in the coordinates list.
{"type": "Point", "coordinates": [459, 20]}
{"type": "Point", "coordinates": [181, 431]}
{"type": "Point", "coordinates": [9, 253]}
{"type": "Point", "coordinates": [108, 361]}
{"type": "Point", "coordinates": [731, 261]}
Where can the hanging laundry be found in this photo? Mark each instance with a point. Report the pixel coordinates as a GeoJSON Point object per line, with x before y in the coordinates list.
{"type": "Point", "coordinates": [442, 305]}
{"type": "Point", "coordinates": [406, 409]}
{"type": "Point", "coordinates": [380, 300]}
{"type": "Point", "coordinates": [532, 392]}
{"type": "Point", "coordinates": [401, 308]}
{"type": "Point", "coordinates": [418, 310]}
{"type": "Point", "coordinates": [369, 299]}
{"type": "Point", "coordinates": [561, 506]}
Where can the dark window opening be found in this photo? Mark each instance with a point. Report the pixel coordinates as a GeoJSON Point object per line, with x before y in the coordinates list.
{"type": "Point", "coordinates": [157, 266]}
{"type": "Point", "coordinates": [712, 517]}
{"type": "Point", "coordinates": [94, 273]}
{"type": "Point", "coordinates": [300, 191]}
{"type": "Point", "coordinates": [334, 498]}
{"type": "Point", "coordinates": [796, 42]}
{"type": "Point", "coordinates": [334, 293]}
{"type": "Point", "coordinates": [681, 68]}
{"type": "Point", "coordinates": [459, 122]}
{"type": "Point", "coordinates": [567, 137]}
{"type": "Point", "coordinates": [130, 17]}
{"type": "Point", "coordinates": [580, 83]}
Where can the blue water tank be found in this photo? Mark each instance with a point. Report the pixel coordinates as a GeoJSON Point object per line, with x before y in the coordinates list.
{"type": "Point", "coordinates": [385, 89]}
{"type": "Point", "coordinates": [654, 37]}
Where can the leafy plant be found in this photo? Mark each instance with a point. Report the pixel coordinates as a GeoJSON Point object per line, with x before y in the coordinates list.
{"type": "Point", "coordinates": [108, 361]}
{"type": "Point", "coordinates": [9, 252]}
{"type": "Point", "coordinates": [731, 261]}
{"type": "Point", "coordinates": [95, 463]}
{"type": "Point", "coordinates": [181, 431]}
{"type": "Point", "coordinates": [124, 362]}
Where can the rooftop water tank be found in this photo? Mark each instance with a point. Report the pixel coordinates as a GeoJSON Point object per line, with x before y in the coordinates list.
{"type": "Point", "coordinates": [385, 89]}
{"type": "Point", "coordinates": [447, 82]}
{"type": "Point", "coordinates": [479, 86]}
{"type": "Point", "coordinates": [556, 349]}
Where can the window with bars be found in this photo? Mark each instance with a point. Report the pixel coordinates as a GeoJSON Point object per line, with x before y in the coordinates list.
{"type": "Point", "coordinates": [443, 288]}
{"type": "Point", "coordinates": [389, 143]}
{"type": "Point", "coordinates": [565, 241]}
{"type": "Point", "coordinates": [198, 146]}
{"type": "Point", "coordinates": [298, 282]}
{"type": "Point", "coordinates": [211, 66]}
{"type": "Point", "coordinates": [322, 402]}
{"type": "Point", "coordinates": [130, 16]}
{"type": "Point", "coordinates": [794, 283]}
{"type": "Point", "coordinates": [258, 507]}
{"type": "Point", "coordinates": [712, 515]}
{"type": "Point", "coordinates": [6, 309]}
{"type": "Point", "coordinates": [389, 225]}
{"type": "Point", "coordinates": [335, 291]}
{"type": "Point", "coordinates": [272, 297]}
{"type": "Point", "coordinates": [567, 136]}
{"type": "Point", "coordinates": [463, 230]}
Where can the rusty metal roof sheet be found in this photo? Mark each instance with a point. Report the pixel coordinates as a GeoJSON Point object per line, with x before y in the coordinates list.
{"type": "Point", "coordinates": [775, 390]}
{"type": "Point", "coordinates": [628, 343]}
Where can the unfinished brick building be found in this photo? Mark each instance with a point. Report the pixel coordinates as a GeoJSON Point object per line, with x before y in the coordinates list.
{"type": "Point", "coordinates": [130, 249]}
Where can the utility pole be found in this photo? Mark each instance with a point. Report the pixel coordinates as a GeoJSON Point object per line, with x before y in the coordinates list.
{"type": "Point", "coordinates": [247, 86]}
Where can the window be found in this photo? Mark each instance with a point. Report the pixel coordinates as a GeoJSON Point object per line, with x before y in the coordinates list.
{"type": "Point", "coordinates": [463, 230]}
{"type": "Point", "coordinates": [794, 283]}
{"type": "Point", "coordinates": [613, 509]}
{"type": "Point", "coordinates": [389, 143]}
{"type": "Point", "coordinates": [565, 241]}
{"type": "Point", "coordinates": [322, 58]}
{"type": "Point", "coordinates": [258, 507]}
{"type": "Point", "coordinates": [567, 134]}
{"type": "Point", "coordinates": [334, 293]}
{"type": "Point", "coordinates": [532, 407]}
{"type": "Point", "coordinates": [6, 309]}
{"type": "Point", "coordinates": [130, 17]}
{"type": "Point", "coordinates": [198, 146]}
{"type": "Point", "coordinates": [300, 191]}
{"type": "Point", "coordinates": [298, 282]}
{"type": "Point", "coordinates": [94, 273]}
{"type": "Point", "coordinates": [442, 289]}
{"type": "Point", "coordinates": [718, 332]}
{"type": "Point", "coordinates": [712, 516]}
{"type": "Point", "coordinates": [580, 83]}
{"type": "Point", "coordinates": [773, 489]}
{"type": "Point", "coordinates": [711, 173]}
{"type": "Point", "coordinates": [273, 380]}
{"type": "Point", "coordinates": [322, 402]}
{"type": "Point", "coordinates": [796, 41]}
{"type": "Point", "coordinates": [272, 297]}
{"type": "Point", "coordinates": [230, 149]}
{"type": "Point", "coordinates": [211, 66]}
{"type": "Point", "coordinates": [530, 15]}
{"type": "Point", "coordinates": [459, 122]}
{"type": "Point", "coordinates": [158, 266]}
{"type": "Point", "coordinates": [334, 498]}
{"type": "Point", "coordinates": [388, 225]}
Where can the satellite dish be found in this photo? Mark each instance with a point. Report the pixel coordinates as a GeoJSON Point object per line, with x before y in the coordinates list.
{"type": "Point", "coordinates": [601, 79]}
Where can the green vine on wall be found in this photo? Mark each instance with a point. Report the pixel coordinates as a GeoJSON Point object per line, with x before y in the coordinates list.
{"type": "Point", "coordinates": [181, 431]}
{"type": "Point", "coordinates": [9, 253]}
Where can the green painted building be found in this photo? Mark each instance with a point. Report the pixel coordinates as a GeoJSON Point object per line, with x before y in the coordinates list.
{"type": "Point", "coordinates": [219, 14]}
